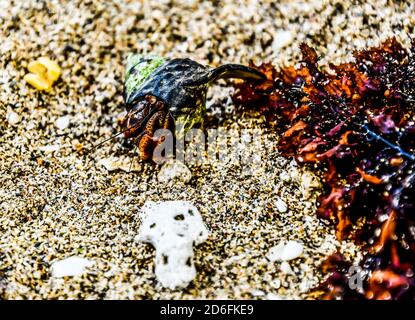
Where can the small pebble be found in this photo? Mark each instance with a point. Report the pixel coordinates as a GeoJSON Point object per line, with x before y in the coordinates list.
{"type": "Point", "coordinates": [285, 252]}
{"type": "Point", "coordinates": [13, 118]}
{"type": "Point", "coordinates": [70, 267]}
{"type": "Point", "coordinates": [273, 296]}
{"type": "Point", "coordinates": [276, 283]}
{"type": "Point", "coordinates": [50, 148]}
{"type": "Point", "coordinates": [274, 253]}
{"type": "Point", "coordinates": [309, 183]}
{"type": "Point", "coordinates": [62, 123]}
{"type": "Point", "coordinates": [281, 206]}
{"type": "Point", "coordinates": [174, 170]}
{"type": "Point", "coordinates": [292, 250]}
{"type": "Point", "coordinates": [109, 164]}
{"type": "Point", "coordinates": [257, 293]}
{"type": "Point", "coordinates": [124, 164]}
{"type": "Point", "coordinates": [282, 39]}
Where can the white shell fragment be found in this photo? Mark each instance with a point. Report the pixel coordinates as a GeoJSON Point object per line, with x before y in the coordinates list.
{"type": "Point", "coordinates": [50, 148]}
{"type": "Point", "coordinates": [70, 267]}
{"type": "Point", "coordinates": [282, 39]}
{"type": "Point", "coordinates": [174, 170]}
{"type": "Point", "coordinates": [285, 252]}
{"type": "Point", "coordinates": [13, 118]}
{"type": "Point", "coordinates": [292, 250]}
{"type": "Point", "coordinates": [124, 164]}
{"type": "Point", "coordinates": [62, 123]}
{"type": "Point", "coordinates": [275, 252]}
{"type": "Point", "coordinates": [281, 206]}
{"type": "Point", "coordinates": [173, 227]}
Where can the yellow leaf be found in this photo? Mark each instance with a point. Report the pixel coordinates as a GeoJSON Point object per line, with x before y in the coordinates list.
{"type": "Point", "coordinates": [53, 70]}
{"type": "Point", "coordinates": [37, 81]}
{"type": "Point", "coordinates": [37, 68]}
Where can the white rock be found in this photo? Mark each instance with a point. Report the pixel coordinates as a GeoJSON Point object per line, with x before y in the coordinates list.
{"type": "Point", "coordinates": [174, 169]}
{"type": "Point", "coordinates": [173, 227]}
{"type": "Point", "coordinates": [50, 148]}
{"type": "Point", "coordinates": [285, 252]}
{"type": "Point", "coordinates": [62, 123]}
{"type": "Point", "coordinates": [282, 39]}
{"type": "Point", "coordinates": [70, 267]}
{"type": "Point", "coordinates": [274, 253]}
{"type": "Point", "coordinates": [13, 118]}
{"type": "Point", "coordinates": [281, 206]}
{"type": "Point", "coordinates": [292, 250]}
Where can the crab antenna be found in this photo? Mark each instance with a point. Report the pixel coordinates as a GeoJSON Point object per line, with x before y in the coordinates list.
{"type": "Point", "coordinates": [110, 138]}
{"type": "Point", "coordinates": [129, 128]}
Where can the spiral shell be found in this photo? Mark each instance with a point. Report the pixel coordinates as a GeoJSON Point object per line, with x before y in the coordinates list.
{"type": "Point", "coordinates": [138, 68]}
{"type": "Point", "coordinates": [181, 84]}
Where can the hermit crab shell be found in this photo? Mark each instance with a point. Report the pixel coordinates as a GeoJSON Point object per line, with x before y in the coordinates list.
{"type": "Point", "coordinates": [181, 84]}
{"type": "Point", "coordinates": [168, 80]}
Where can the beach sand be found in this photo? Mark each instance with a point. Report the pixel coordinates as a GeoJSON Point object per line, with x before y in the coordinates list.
{"type": "Point", "coordinates": [57, 200]}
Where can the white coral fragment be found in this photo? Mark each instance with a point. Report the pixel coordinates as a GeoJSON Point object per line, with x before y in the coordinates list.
{"type": "Point", "coordinates": [173, 228]}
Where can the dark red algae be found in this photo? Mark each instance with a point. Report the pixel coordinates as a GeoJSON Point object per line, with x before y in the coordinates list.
{"type": "Point", "coordinates": [355, 123]}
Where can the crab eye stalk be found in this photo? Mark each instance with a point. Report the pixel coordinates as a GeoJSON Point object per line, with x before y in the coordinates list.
{"type": "Point", "coordinates": [135, 117]}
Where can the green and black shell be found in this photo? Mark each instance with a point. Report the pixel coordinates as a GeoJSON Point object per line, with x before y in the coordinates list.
{"type": "Point", "coordinates": [172, 88]}
{"type": "Point", "coordinates": [181, 84]}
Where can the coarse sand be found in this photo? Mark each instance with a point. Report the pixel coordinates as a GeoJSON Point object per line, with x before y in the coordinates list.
{"type": "Point", "coordinates": [58, 201]}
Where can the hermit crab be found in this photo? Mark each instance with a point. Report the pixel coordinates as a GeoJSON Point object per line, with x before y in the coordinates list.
{"type": "Point", "coordinates": [169, 93]}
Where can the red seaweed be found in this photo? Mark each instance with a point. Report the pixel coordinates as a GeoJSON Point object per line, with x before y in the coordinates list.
{"type": "Point", "coordinates": [355, 122]}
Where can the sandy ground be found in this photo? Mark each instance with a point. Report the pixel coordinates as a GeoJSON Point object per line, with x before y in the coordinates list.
{"type": "Point", "coordinates": [58, 202]}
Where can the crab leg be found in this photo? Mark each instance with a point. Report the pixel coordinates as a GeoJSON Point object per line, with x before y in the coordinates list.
{"type": "Point", "coordinates": [147, 142]}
